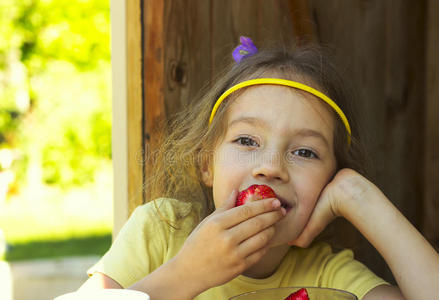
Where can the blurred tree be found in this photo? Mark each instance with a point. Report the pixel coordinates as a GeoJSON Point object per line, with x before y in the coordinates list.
{"type": "Point", "coordinates": [75, 30]}
{"type": "Point", "coordinates": [55, 86]}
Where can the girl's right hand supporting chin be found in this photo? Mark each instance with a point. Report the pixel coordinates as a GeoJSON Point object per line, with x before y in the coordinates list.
{"type": "Point", "coordinates": [346, 186]}
{"type": "Point", "coordinates": [227, 242]}
{"type": "Point", "coordinates": [412, 260]}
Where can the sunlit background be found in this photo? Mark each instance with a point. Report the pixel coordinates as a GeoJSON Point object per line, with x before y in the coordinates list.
{"type": "Point", "coordinates": [55, 128]}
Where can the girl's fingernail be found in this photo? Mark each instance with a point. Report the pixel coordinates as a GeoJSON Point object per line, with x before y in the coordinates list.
{"type": "Point", "coordinates": [291, 243]}
{"type": "Point", "coordinates": [283, 210]}
{"type": "Point", "coordinates": [276, 203]}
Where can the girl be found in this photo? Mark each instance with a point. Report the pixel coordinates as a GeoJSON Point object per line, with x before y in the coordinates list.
{"type": "Point", "coordinates": [281, 119]}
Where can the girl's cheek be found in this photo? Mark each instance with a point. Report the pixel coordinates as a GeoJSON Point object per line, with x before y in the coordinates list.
{"type": "Point", "coordinates": [307, 186]}
{"type": "Point", "coordinates": [310, 198]}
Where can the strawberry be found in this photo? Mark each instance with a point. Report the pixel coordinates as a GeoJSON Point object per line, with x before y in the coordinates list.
{"type": "Point", "coordinates": [254, 193]}
{"type": "Point", "coordinates": [301, 294]}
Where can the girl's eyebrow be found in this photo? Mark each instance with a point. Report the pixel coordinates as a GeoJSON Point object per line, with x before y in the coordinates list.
{"type": "Point", "coordinates": [306, 132]}
{"type": "Point", "coordinates": [249, 120]}
{"type": "Point", "coordinates": [303, 132]}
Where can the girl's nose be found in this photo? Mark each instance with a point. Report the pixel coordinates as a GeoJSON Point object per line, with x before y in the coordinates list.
{"type": "Point", "coordinates": [271, 167]}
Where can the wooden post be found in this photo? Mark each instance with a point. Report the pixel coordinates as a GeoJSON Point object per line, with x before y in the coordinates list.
{"type": "Point", "coordinates": [154, 84]}
{"type": "Point", "coordinates": [154, 73]}
{"type": "Point", "coordinates": [431, 164]}
{"type": "Point", "coordinates": [134, 103]}
{"type": "Point", "coordinates": [119, 141]}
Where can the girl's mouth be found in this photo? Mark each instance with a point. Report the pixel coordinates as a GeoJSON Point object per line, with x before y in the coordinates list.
{"type": "Point", "coordinates": [284, 204]}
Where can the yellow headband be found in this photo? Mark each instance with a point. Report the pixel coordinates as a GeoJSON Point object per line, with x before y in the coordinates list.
{"type": "Point", "coordinates": [284, 82]}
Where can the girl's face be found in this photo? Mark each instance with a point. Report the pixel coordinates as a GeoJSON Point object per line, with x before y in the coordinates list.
{"type": "Point", "coordinates": [282, 138]}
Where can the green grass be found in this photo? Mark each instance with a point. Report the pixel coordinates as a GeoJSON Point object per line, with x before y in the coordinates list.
{"type": "Point", "coordinates": [45, 221]}
{"type": "Point", "coordinates": [75, 246]}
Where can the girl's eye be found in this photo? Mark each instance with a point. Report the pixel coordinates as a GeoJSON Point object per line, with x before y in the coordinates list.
{"type": "Point", "coordinates": [246, 141]}
{"type": "Point", "coordinates": [306, 153]}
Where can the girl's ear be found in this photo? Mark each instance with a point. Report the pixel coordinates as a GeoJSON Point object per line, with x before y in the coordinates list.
{"type": "Point", "coordinates": [206, 173]}
{"type": "Point", "coordinates": [207, 176]}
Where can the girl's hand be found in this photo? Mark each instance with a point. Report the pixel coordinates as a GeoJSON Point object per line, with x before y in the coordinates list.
{"type": "Point", "coordinates": [227, 242]}
{"type": "Point", "coordinates": [347, 185]}
{"type": "Point", "coordinates": [412, 260]}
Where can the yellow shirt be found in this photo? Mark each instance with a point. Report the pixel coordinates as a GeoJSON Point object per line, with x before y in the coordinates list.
{"type": "Point", "coordinates": [146, 241]}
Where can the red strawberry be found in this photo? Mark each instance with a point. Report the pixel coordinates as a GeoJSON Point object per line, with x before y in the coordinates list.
{"type": "Point", "coordinates": [301, 294]}
{"type": "Point", "coordinates": [254, 193]}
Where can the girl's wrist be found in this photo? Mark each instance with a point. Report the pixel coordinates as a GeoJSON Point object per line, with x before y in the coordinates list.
{"type": "Point", "coordinates": [363, 204]}
{"type": "Point", "coordinates": [169, 281]}
{"type": "Point", "coordinates": [186, 276]}
{"type": "Point", "coordinates": [353, 193]}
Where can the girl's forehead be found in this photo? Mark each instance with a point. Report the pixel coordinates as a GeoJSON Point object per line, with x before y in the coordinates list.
{"type": "Point", "coordinates": [281, 107]}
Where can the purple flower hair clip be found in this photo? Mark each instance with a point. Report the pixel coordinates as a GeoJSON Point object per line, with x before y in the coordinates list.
{"type": "Point", "coordinates": [247, 48]}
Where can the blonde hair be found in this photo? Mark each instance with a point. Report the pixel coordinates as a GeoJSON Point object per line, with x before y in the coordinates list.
{"type": "Point", "coordinates": [189, 142]}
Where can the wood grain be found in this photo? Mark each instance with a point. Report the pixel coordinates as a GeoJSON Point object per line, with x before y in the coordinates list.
{"type": "Point", "coordinates": [154, 79]}
{"type": "Point", "coordinates": [135, 104]}
{"type": "Point", "coordinates": [304, 28]}
{"type": "Point", "coordinates": [379, 47]}
{"type": "Point", "coordinates": [431, 182]}
{"type": "Point", "coordinates": [187, 52]}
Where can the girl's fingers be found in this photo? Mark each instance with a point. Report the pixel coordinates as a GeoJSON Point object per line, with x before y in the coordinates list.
{"type": "Point", "coordinates": [237, 215]}
{"type": "Point", "coordinates": [229, 203]}
{"type": "Point", "coordinates": [320, 218]}
{"type": "Point", "coordinates": [254, 226]}
{"type": "Point", "coordinates": [219, 211]}
{"type": "Point", "coordinates": [256, 242]}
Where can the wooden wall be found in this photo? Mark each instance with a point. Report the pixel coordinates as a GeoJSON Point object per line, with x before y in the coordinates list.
{"type": "Point", "coordinates": [381, 46]}
{"type": "Point", "coordinates": [386, 48]}
{"type": "Point", "coordinates": [430, 222]}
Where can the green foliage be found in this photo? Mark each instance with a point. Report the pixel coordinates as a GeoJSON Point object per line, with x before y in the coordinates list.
{"type": "Point", "coordinates": [43, 30]}
{"type": "Point", "coordinates": [101, 134]}
{"type": "Point", "coordinates": [9, 121]}
{"type": "Point", "coordinates": [73, 133]}
{"type": "Point", "coordinates": [55, 86]}
{"type": "Point", "coordinates": [93, 244]}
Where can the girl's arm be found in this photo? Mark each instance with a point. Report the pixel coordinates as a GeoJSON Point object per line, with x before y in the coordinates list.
{"type": "Point", "coordinates": [413, 261]}
{"type": "Point", "coordinates": [158, 283]}
{"type": "Point", "coordinates": [99, 281]}
{"type": "Point", "coordinates": [220, 248]}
